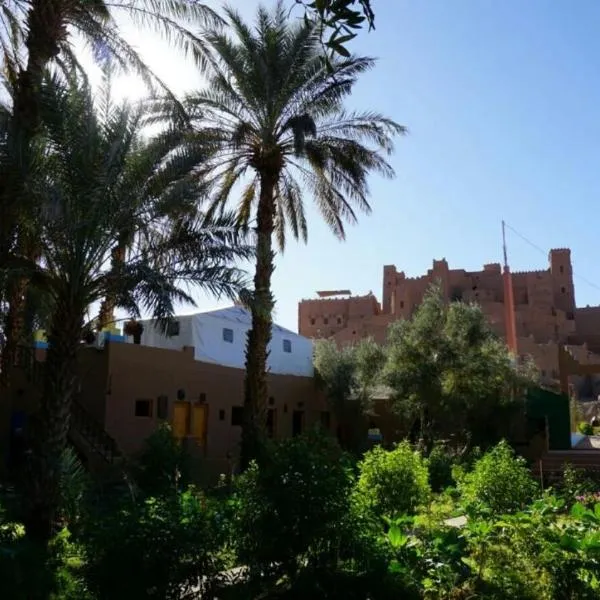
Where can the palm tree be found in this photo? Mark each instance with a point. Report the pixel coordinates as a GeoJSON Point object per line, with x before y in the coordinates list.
{"type": "Point", "coordinates": [41, 32]}
{"type": "Point", "coordinates": [100, 180]}
{"type": "Point", "coordinates": [273, 116]}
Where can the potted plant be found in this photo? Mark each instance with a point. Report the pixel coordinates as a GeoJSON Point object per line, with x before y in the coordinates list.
{"type": "Point", "coordinates": [135, 329]}
{"type": "Point", "coordinates": [88, 336]}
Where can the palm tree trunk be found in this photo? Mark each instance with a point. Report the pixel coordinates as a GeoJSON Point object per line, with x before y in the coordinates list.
{"type": "Point", "coordinates": [52, 424]}
{"type": "Point", "coordinates": [259, 336]}
{"type": "Point", "coordinates": [106, 315]}
{"type": "Point", "coordinates": [46, 27]}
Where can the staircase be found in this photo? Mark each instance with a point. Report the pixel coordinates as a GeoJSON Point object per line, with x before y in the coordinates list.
{"type": "Point", "coordinates": [85, 433]}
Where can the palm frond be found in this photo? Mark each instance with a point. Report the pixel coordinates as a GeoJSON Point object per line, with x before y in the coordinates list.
{"type": "Point", "coordinates": [272, 103]}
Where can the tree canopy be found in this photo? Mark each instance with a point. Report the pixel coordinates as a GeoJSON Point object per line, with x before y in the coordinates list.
{"type": "Point", "coordinates": [446, 373]}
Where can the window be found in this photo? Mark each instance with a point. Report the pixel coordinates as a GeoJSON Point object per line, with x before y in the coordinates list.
{"type": "Point", "coordinates": [221, 415]}
{"type": "Point", "coordinates": [312, 321]}
{"type": "Point", "coordinates": [570, 316]}
{"type": "Point", "coordinates": [287, 346]}
{"type": "Point", "coordinates": [173, 329]}
{"type": "Point", "coordinates": [228, 335]}
{"type": "Point", "coordinates": [297, 422]}
{"type": "Point", "coordinates": [563, 290]}
{"type": "Point", "coordinates": [325, 321]}
{"type": "Point", "coordinates": [271, 401]}
{"type": "Point", "coordinates": [561, 269]}
{"type": "Point", "coordinates": [202, 398]}
{"type": "Point", "coordinates": [339, 320]}
{"type": "Point", "coordinates": [401, 303]}
{"type": "Point", "coordinates": [237, 416]}
{"type": "Point", "coordinates": [271, 422]}
{"type": "Point", "coordinates": [162, 407]}
{"type": "Point", "coordinates": [143, 408]}
{"type": "Point", "coordinates": [325, 419]}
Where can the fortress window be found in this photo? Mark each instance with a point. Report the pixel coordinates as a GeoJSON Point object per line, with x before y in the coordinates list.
{"type": "Point", "coordinates": [561, 269]}
{"type": "Point", "coordinates": [312, 321]}
{"type": "Point", "coordinates": [339, 320]}
{"type": "Point", "coordinates": [401, 303]}
{"type": "Point", "coordinates": [325, 321]}
{"type": "Point", "coordinates": [562, 289]}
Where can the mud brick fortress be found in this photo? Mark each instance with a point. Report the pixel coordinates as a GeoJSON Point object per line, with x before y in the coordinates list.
{"type": "Point", "coordinates": [546, 315]}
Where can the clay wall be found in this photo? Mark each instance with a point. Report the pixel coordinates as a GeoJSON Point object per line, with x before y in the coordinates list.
{"type": "Point", "coordinates": [328, 316]}
{"type": "Point", "coordinates": [544, 300]}
{"type": "Point", "coordinates": [142, 372]}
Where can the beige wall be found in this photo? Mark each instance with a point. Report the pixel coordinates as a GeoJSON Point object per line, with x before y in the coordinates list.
{"type": "Point", "coordinates": [112, 379]}
{"type": "Point", "coordinates": [142, 372]}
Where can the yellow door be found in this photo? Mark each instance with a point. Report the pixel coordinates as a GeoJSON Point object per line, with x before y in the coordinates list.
{"type": "Point", "coordinates": [181, 418]}
{"type": "Point", "coordinates": [199, 422]}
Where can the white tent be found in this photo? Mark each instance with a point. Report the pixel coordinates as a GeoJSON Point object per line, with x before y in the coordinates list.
{"type": "Point", "coordinates": [219, 337]}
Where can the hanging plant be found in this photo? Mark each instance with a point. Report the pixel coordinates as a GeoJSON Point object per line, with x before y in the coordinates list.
{"type": "Point", "coordinates": [88, 336]}
{"type": "Point", "coordinates": [135, 329]}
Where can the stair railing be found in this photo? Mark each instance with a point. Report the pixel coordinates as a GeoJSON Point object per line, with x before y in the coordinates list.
{"type": "Point", "coordinates": [81, 421]}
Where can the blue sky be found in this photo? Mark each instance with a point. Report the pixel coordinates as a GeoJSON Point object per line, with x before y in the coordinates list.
{"type": "Point", "coordinates": [502, 102]}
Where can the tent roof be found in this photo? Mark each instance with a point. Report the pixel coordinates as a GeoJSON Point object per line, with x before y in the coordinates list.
{"type": "Point", "coordinates": [239, 314]}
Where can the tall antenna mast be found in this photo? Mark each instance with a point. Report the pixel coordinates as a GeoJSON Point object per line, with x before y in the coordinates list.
{"type": "Point", "coordinates": [509, 300]}
{"type": "Point", "coordinates": [504, 245]}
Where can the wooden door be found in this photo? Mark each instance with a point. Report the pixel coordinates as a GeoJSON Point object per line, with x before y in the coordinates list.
{"type": "Point", "coordinates": [181, 419]}
{"type": "Point", "coordinates": [199, 423]}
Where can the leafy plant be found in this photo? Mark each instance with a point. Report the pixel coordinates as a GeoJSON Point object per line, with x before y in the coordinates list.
{"type": "Point", "coordinates": [74, 484]}
{"type": "Point", "coordinates": [500, 482]}
{"type": "Point", "coordinates": [439, 464]}
{"type": "Point", "coordinates": [348, 376]}
{"type": "Point", "coordinates": [585, 428]}
{"type": "Point", "coordinates": [393, 482]}
{"type": "Point", "coordinates": [159, 548]}
{"type": "Point", "coordinates": [451, 376]}
{"type": "Point", "coordinates": [288, 513]}
{"type": "Point", "coordinates": [163, 465]}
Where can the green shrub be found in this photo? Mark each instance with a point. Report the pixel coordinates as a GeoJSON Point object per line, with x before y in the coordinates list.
{"type": "Point", "coordinates": [154, 549]}
{"type": "Point", "coordinates": [499, 481]}
{"type": "Point", "coordinates": [585, 428]}
{"type": "Point", "coordinates": [163, 465]}
{"type": "Point", "coordinates": [393, 482]}
{"type": "Point", "coordinates": [439, 465]}
{"type": "Point", "coordinates": [292, 508]}
{"type": "Point", "coordinates": [34, 571]}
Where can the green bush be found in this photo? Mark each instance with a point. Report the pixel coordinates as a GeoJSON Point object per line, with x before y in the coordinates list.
{"type": "Point", "coordinates": [439, 465]}
{"type": "Point", "coordinates": [393, 482]}
{"type": "Point", "coordinates": [157, 548]}
{"type": "Point", "coordinates": [32, 571]}
{"type": "Point", "coordinates": [585, 428]}
{"type": "Point", "coordinates": [292, 508]}
{"type": "Point", "coordinates": [163, 466]}
{"type": "Point", "coordinates": [499, 481]}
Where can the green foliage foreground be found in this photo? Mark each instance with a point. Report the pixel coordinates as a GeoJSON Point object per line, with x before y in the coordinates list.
{"type": "Point", "coordinates": [310, 523]}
